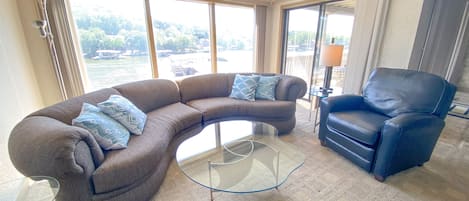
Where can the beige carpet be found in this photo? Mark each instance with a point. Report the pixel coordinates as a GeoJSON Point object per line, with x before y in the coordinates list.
{"type": "Point", "coordinates": [326, 175]}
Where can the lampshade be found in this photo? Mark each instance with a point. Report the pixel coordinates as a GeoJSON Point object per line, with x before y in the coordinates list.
{"type": "Point", "coordinates": [331, 55]}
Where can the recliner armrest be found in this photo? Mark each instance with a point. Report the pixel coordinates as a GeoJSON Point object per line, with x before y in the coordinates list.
{"type": "Point", "coordinates": [334, 104]}
{"type": "Point", "coordinates": [342, 102]}
{"type": "Point", "coordinates": [407, 140]}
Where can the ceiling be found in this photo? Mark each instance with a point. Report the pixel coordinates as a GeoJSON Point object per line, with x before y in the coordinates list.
{"type": "Point", "coordinates": [345, 7]}
{"type": "Point", "coordinates": [344, 4]}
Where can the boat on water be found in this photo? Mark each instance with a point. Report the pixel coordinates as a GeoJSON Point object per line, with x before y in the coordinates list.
{"type": "Point", "coordinates": [107, 54]}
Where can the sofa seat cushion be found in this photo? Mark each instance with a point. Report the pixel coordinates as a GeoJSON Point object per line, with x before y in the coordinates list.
{"type": "Point", "coordinates": [361, 125]}
{"type": "Point", "coordinates": [220, 107]}
{"type": "Point", "coordinates": [139, 160]}
{"type": "Point", "coordinates": [125, 167]}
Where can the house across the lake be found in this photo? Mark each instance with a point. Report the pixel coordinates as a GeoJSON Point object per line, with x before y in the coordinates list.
{"type": "Point", "coordinates": [107, 54]}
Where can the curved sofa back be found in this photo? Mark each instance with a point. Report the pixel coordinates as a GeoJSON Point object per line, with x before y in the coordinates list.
{"type": "Point", "coordinates": [67, 110]}
{"type": "Point", "coordinates": [205, 86]}
{"type": "Point", "coordinates": [147, 95]}
{"type": "Point", "coordinates": [219, 85]}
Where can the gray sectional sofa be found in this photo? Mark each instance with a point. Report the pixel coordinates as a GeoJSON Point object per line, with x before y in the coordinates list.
{"type": "Point", "coordinates": [45, 142]}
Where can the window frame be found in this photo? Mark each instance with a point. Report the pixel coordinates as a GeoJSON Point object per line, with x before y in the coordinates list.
{"type": "Point", "coordinates": [212, 29]}
{"type": "Point", "coordinates": [72, 66]}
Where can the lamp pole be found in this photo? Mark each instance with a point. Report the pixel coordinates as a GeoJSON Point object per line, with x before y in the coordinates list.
{"type": "Point", "coordinates": [327, 80]}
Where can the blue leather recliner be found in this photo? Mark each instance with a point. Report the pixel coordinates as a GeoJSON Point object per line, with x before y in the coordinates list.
{"type": "Point", "coordinates": [393, 126]}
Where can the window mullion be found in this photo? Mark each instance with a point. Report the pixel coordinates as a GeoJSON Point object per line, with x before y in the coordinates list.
{"type": "Point", "coordinates": [151, 39]}
{"type": "Point", "coordinates": [213, 38]}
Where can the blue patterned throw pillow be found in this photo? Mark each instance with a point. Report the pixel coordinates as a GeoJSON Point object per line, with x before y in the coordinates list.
{"type": "Point", "coordinates": [109, 133]}
{"type": "Point", "coordinates": [266, 87]}
{"type": "Point", "coordinates": [244, 87]}
{"type": "Point", "coordinates": [125, 112]}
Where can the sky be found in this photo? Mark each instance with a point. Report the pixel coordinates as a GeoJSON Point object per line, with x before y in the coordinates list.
{"type": "Point", "coordinates": [307, 20]}
{"type": "Point", "coordinates": [232, 20]}
{"type": "Point", "coordinates": [179, 12]}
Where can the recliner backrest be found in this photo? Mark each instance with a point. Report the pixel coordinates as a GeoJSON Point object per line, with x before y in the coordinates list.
{"type": "Point", "coordinates": [396, 91]}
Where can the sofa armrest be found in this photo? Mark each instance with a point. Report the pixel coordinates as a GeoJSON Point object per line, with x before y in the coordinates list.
{"type": "Point", "coordinates": [289, 88]}
{"type": "Point", "coordinates": [407, 140]}
{"type": "Point", "coordinates": [44, 146]}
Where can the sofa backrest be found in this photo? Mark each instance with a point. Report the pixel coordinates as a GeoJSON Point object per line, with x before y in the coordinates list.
{"type": "Point", "coordinates": [205, 86]}
{"type": "Point", "coordinates": [219, 85]}
{"type": "Point", "coordinates": [67, 110]}
{"type": "Point", "coordinates": [149, 95]}
{"type": "Point", "coordinates": [395, 91]}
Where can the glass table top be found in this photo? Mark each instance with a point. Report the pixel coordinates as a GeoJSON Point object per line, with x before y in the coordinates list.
{"type": "Point", "coordinates": [34, 188]}
{"type": "Point", "coordinates": [238, 157]}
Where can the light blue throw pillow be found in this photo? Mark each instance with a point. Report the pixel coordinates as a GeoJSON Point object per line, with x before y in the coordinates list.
{"type": "Point", "coordinates": [244, 87]}
{"type": "Point", "coordinates": [266, 87]}
{"type": "Point", "coordinates": [109, 133]}
{"type": "Point", "coordinates": [125, 112]}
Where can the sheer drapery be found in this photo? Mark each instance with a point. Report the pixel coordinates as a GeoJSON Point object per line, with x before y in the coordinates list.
{"type": "Point", "coordinates": [68, 51]}
{"type": "Point", "coordinates": [366, 42]}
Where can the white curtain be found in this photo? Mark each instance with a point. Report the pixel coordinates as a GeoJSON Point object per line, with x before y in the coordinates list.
{"type": "Point", "coordinates": [365, 45]}
{"type": "Point", "coordinates": [64, 50]}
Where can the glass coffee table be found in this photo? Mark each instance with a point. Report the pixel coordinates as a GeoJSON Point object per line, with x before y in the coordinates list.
{"type": "Point", "coordinates": [238, 157]}
{"type": "Point", "coordinates": [33, 188]}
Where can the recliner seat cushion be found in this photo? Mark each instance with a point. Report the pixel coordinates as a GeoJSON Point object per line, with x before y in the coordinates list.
{"type": "Point", "coordinates": [132, 165]}
{"type": "Point", "coordinates": [361, 125]}
{"type": "Point", "coordinates": [219, 107]}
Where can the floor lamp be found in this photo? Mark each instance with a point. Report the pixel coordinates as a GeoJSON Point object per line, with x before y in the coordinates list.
{"type": "Point", "coordinates": [331, 55]}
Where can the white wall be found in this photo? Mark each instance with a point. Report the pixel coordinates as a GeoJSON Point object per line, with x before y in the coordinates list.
{"type": "Point", "coordinates": [18, 85]}
{"type": "Point", "coordinates": [401, 27]}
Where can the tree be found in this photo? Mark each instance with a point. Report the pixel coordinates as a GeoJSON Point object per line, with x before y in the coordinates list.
{"type": "Point", "coordinates": [301, 38]}
{"type": "Point", "coordinates": [110, 24]}
{"type": "Point", "coordinates": [136, 40]}
{"type": "Point", "coordinates": [91, 40]}
{"type": "Point", "coordinates": [200, 33]}
{"type": "Point", "coordinates": [113, 43]}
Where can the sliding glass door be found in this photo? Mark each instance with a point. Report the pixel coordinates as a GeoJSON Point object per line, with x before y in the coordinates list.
{"type": "Point", "coordinates": [299, 43]}
{"type": "Point", "coordinates": [338, 25]}
{"type": "Point", "coordinates": [307, 30]}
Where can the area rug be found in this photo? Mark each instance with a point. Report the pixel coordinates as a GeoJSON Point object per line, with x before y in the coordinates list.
{"type": "Point", "coordinates": [327, 176]}
{"type": "Point", "coordinates": [459, 110]}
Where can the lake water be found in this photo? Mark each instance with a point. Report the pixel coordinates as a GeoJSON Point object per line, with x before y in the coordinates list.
{"type": "Point", "coordinates": [107, 73]}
